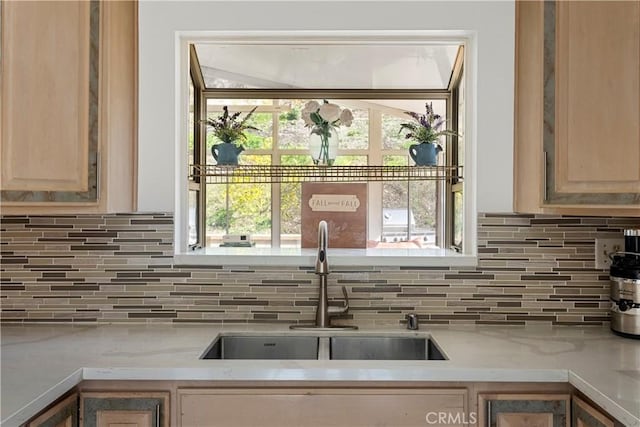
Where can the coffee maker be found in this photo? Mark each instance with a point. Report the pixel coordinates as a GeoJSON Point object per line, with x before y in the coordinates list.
{"type": "Point", "coordinates": [625, 287]}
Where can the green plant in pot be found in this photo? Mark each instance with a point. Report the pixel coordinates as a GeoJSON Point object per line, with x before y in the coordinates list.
{"type": "Point", "coordinates": [426, 131]}
{"type": "Point", "coordinates": [230, 129]}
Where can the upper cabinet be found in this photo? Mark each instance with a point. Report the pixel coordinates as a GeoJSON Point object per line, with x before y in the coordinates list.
{"type": "Point", "coordinates": [68, 106]}
{"type": "Point", "coordinates": [577, 108]}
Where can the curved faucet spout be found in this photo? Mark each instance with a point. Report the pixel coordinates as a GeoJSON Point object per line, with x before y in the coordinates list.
{"type": "Point", "coordinates": [322, 266]}
{"type": "Point", "coordinates": [323, 311]}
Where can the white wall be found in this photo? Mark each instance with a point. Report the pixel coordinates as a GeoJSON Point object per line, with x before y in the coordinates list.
{"type": "Point", "coordinates": [493, 23]}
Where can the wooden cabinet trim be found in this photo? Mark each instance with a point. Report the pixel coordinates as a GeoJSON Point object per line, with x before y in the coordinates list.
{"type": "Point", "coordinates": [323, 390]}
{"type": "Point", "coordinates": [63, 413]}
{"type": "Point", "coordinates": [528, 108]}
{"type": "Point", "coordinates": [580, 408]}
{"type": "Point", "coordinates": [119, 105]}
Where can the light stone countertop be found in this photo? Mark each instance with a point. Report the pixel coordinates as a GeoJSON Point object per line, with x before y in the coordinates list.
{"type": "Point", "coordinates": [40, 362]}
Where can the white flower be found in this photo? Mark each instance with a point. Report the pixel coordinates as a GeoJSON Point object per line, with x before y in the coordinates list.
{"type": "Point", "coordinates": [306, 116]}
{"type": "Point", "coordinates": [310, 107]}
{"type": "Point", "coordinates": [329, 112]}
{"type": "Point", "coordinates": [346, 118]}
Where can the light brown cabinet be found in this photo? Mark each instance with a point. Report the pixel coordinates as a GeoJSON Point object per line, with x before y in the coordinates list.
{"type": "Point", "coordinates": [61, 414]}
{"type": "Point", "coordinates": [47, 91]}
{"type": "Point", "coordinates": [577, 108]}
{"type": "Point", "coordinates": [68, 106]}
{"type": "Point", "coordinates": [586, 415]}
{"type": "Point", "coordinates": [124, 418]}
{"type": "Point", "coordinates": [221, 403]}
{"type": "Point", "coordinates": [321, 407]}
{"type": "Point", "coordinates": [524, 410]}
{"type": "Point", "coordinates": [114, 409]}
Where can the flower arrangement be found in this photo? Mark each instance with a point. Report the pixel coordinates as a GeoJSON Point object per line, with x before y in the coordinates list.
{"type": "Point", "coordinates": [426, 127]}
{"type": "Point", "coordinates": [229, 127]}
{"type": "Point", "coordinates": [324, 119]}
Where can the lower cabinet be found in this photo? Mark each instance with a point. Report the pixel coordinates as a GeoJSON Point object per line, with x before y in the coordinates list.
{"type": "Point", "coordinates": [317, 404]}
{"type": "Point", "coordinates": [585, 415]}
{"type": "Point", "coordinates": [61, 414]}
{"type": "Point", "coordinates": [302, 407]}
{"type": "Point", "coordinates": [131, 409]}
{"type": "Point", "coordinates": [524, 410]}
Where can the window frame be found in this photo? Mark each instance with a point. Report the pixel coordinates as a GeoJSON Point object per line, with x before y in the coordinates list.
{"type": "Point", "coordinates": [194, 182]}
{"type": "Point", "coordinates": [377, 153]}
{"type": "Point", "coordinates": [454, 186]}
{"type": "Point", "coordinates": [468, 39]}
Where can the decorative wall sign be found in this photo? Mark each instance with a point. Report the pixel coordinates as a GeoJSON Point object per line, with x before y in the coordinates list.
{"type": "Point", "coordinates": [334, 203]}
{"type": "Point", "coordinates": [343, 206]}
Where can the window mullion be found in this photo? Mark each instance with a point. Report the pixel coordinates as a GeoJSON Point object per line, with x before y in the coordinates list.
{"type": "Point", "coordinates": [200, 150]}
{"type": "Point", "coordinates": [275, 187]}
{"type": "Point", "coordinates": [375, 188]}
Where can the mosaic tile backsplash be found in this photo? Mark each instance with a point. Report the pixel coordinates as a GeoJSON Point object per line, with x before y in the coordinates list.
{"type": "Point", "coordinates": [118, 268]}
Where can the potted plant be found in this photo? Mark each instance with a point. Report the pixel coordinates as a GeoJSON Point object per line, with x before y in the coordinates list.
{"type": "Point", "coordinates": [324, 120]}
{"type": "Point", "coordinates": [426, 132]}
{"type": "Point", "coordinates": [229, 129]}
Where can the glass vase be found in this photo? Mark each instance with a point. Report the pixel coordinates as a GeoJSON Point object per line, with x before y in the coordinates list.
{"type": "Point", "coordinates": [324, 147]}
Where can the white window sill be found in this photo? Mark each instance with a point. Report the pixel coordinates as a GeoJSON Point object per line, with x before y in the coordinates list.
{"type": "Point", "coordinates": [336, 257]}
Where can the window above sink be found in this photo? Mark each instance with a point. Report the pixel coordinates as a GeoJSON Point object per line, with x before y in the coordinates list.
{"type": "Point", "coordinates": [440, 232]}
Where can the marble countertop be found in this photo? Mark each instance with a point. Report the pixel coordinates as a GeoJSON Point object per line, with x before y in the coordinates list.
{"type": "Point", "coordinates": [40, 362]}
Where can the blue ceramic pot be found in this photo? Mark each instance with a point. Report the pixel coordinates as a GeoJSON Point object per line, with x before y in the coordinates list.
{"type": "Point", "coordinates": [425, 154]}
{"type": "Point", "coordinates": [226, 153]}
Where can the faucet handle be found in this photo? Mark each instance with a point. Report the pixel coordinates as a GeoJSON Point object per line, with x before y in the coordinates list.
{"type": "Point", "coordinates": [345, 307]}
{"type": "Point", "coordinates": [346, 299]}
{"type": "Point", "coordinates": [412, 321]}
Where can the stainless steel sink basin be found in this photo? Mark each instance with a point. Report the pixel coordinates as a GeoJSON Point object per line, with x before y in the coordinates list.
{"type": "Point", "coordinates": [263, 347]}
{"type": "Point", "coordinates": [384, 348]}
{"type": "Point", "coordinates": [323, 346]}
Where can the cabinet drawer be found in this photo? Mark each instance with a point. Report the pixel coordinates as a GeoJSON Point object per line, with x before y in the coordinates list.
{"type": "Point", "coordinates": [524, 410]}
{"type": "Point", "coordinates": [319, 407]}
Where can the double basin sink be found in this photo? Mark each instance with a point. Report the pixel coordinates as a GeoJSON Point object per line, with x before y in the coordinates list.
{"type": "Point", "coordinates": [323, 347]}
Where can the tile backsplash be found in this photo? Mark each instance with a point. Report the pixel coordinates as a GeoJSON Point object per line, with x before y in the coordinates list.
{"type": "Point", "coordinates": [118, 268]}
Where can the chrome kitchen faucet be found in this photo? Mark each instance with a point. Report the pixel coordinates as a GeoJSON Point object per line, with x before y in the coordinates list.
{"type": "Point", "coordinates": [323, 311]}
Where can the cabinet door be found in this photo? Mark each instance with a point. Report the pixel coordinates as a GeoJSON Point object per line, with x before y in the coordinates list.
{"type": "Point", "coordinates": [68, 116]}
{"type": "Point", "coordinates": [113, 418]}
{"type": "Point", "coordinates": [592, 76]}
{"type": "Point", "coordinates": [577, 114]}
{"type": "Point", "coordinates": [523, 410]}
{"type": "Point", "coordinates": [322, 407]}
{"type": "Point", "coordinates": [585, 415]}
{"type": "Point", "coordinates": [49, 99]}
{"type": "Point", "coordinates": [104, 409]}
{"type": "Point", "coordinates": [62, 414]}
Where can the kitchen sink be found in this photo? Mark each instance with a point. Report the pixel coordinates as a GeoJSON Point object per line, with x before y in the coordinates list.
{"type": "Point", "coordinates": [384, 348]}
{"type": "Point", "coordinates": [263, 347]}
{"type": "Point", "coordinates": [323, 347]}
